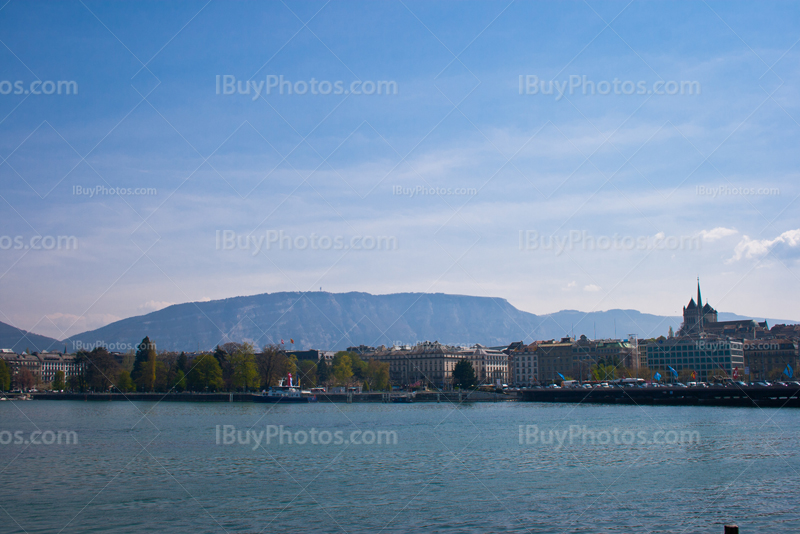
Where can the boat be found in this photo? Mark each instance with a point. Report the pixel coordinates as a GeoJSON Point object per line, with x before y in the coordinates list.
{"type": "Point", "coordinates": [284, 393]}
{"type": "Point", "coordinates": [403, 399]}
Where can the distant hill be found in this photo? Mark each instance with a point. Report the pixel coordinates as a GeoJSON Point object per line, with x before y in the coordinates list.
{"type": "Point", "coordinates": [19, 340]}
{"type": "Point", "coordinates": [338, 320]}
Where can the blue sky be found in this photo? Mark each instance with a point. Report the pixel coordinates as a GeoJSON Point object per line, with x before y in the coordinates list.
{"type": "Point", "coordinates": [466, 178]}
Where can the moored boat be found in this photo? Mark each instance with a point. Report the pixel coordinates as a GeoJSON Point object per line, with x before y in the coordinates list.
{"type": "Point", "coordinates": [284, 393]}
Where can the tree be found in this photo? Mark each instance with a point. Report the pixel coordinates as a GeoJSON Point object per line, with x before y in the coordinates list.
{"type": "Point", "coordinates": [180, 381]}
{"type": "Point", "coordinates": [603, 370]}
{"type": "Point", "coordinates": [358, 366]}
{"type": "Point", "coordinates": [124, 382]}
{"type": "Point", "coordinates": [163, 383]}
{"type": "Point", "coordinates": [206, 374]}
{"type": "Point", "coordinates": [323, 372]}
{"type": "Point", "coordinates": [25, 379]}
{"type": "Point", "coordinates": [342, 368]}
{"type": "Point", "coordinates": [101, 370]}
{"type": "Point", "coordinates": [307, 372]}
{"type": "Point", "coordinates": [272, 365]}
{"type": "Point", "coordinates": [464, 374]}
{"type": "Point", "coordinates": [58, 381]}
{"type": "Point", "coordinates": [5, 376]}
{"type": "Point", "coordinates": [243, 365]}
{"type": "Point", "coordinates": [145, 366]}
{"type": "Point", "coordinates": [377, 375]}
{"type": "Point", "coordinates": [182, 363]}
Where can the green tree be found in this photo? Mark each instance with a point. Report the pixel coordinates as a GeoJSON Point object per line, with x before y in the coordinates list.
{"type": "Point", "coordinates": [464, 374]}
{"type": "Point", "coordinates": [58, 381]}
{"type": "Point", "coordinates": [307, 372]}
{"type": "Point", "coordinates": [206, 374]}
{"type": "Point", "coordinates": [124, 382]}
{"type": "Point", "coordinates": [163, 383]}
{"type": "Point", "coordinates": [180, 381]}
{"type": "Point", "coordinates": [145, 367]}
{"type": "Point", "coordinates": [182, 363]}
{"type": "Point", "coordinates": [243, 366]}
{"type": "Point", "coordinates": [323, 372]}
{"type": "Point", "coordinates": [342, 368]}
{"type": "Point", "coordinates": [377, 375]}
{"type": "Point", "coordinates": [5, 376]}
{"type": "Point", "coordinates": [605, 369]}
{"type": "Point", "coordinates": [359, 367]}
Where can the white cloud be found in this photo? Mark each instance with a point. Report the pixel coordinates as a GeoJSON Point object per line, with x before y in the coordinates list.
{"type": "Point", "coordinates": [787, 242]}
{"type": "Point", "coordinates": [572, 285]}
{"type": "Point", "coordinates": [592, 288]}
{"type": "Point", "coordinates": [717, 233]}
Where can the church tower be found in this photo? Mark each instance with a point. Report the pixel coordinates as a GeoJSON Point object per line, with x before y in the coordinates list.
{"type": "Point", "coordinates": [697, 315]}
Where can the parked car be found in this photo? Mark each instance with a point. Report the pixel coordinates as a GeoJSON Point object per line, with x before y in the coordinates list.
{"type": "Point", "coordinates": [679, 385]}
{"type": "Point", "coordinates": [740, 383]}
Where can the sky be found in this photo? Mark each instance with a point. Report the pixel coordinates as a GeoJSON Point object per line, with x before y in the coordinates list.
{"type": "Point", "coordinates": [570, 155]}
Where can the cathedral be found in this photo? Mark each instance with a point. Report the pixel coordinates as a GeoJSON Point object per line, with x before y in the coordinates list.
{"type": "Point", "coordinates": [697, 317]}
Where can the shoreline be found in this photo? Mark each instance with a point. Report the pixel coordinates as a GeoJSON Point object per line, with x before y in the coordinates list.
{"type": "Point", "coordinates": [778, 397]}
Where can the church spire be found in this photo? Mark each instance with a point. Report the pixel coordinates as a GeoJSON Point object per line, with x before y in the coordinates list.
{"type": "Point", "coordinates": [699, 298]}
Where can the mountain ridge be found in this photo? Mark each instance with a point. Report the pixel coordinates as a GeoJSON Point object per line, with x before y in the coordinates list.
{"type": "Point", "coordinates": [337, 320]}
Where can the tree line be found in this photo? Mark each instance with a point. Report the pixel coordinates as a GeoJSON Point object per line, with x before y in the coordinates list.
{"type": "Point", "coordinates": [230, 367]}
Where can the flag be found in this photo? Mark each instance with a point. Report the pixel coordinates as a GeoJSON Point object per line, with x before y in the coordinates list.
{"type": "Point", "coordinates": [735, 372]}
{"type": "Point", "coordinates": [694, 376]}
{"type": "Point", "coordinates": [657, 376]}
{"type": "Point", "coordinates": [292, 340]}
{"type": "Point", "coordinates": [673, 371]}
{"type": "Point", "coordinates": [562, 376]}
{"type": "Point", "coordinates": [281, 342]}
{"type": "Point", "coordinates": [788, 371]}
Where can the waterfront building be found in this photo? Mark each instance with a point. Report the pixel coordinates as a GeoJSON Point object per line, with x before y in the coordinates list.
{"type": "Point", "coordinates": [432, 363]}
{"type": "Point", "coordinates": [523, 364]}
{"type": "Point", "coordinates": [427, 363]}
{"type": "Point", "coordinates": [43, 365]}
{"type": "Point", "coordinates": [50, 362]}
{"type": "Point", "coordinates": [707, 356]}
{"type": "Point", "coordinates": [555, 357]}
{"type": "Point", "coordinates": [16, 362]}
{"type": "Point", "coordinates": [766, 359]}
{"type": "Point", "coordinates": [490, 365]}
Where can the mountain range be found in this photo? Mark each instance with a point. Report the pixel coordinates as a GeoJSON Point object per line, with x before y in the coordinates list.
{"type": "Point", "coordinates": [338, 320]}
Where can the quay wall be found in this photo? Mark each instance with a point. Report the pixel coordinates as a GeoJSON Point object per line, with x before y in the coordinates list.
{"type": "Point", "coordinates": [749, 396]}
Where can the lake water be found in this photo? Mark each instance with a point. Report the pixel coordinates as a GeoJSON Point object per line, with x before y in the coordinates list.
{"type": "Point", "coordinates": [142, 466]}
